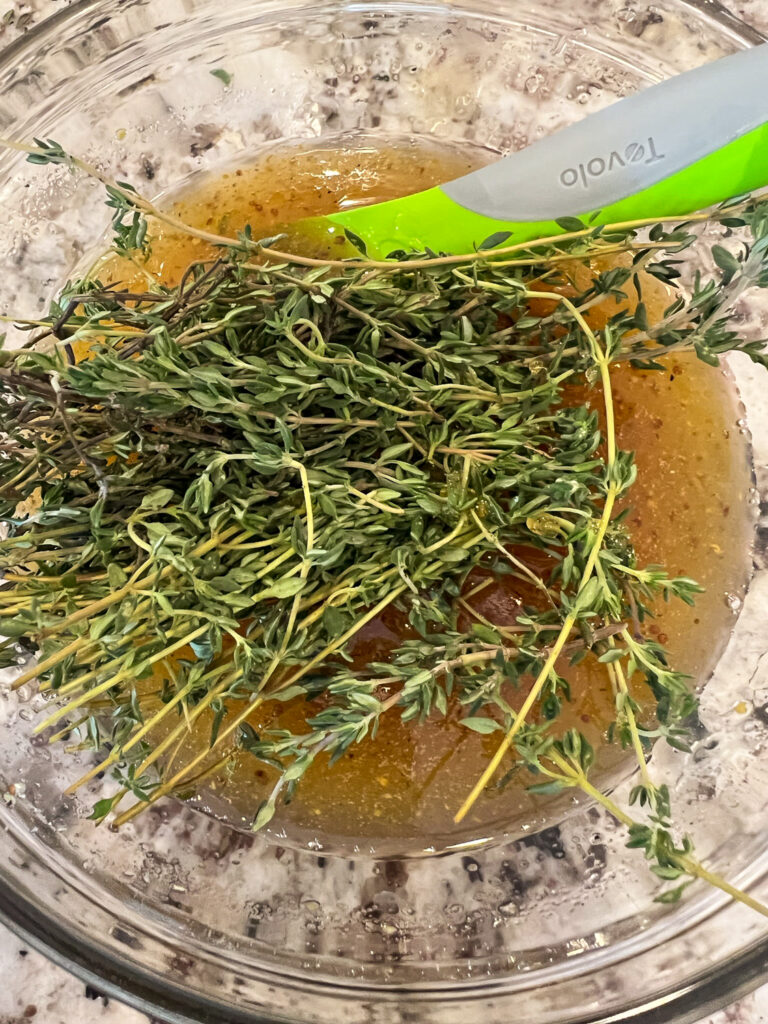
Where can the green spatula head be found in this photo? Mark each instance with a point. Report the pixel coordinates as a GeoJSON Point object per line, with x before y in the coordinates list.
{"type": "Point", "coordinates": [678, 146]}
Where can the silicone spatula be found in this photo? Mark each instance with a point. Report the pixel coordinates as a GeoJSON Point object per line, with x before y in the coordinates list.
{"type": "Point", "coordinates": [673, 148]}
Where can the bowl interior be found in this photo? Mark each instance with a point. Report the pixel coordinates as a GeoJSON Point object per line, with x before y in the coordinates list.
{"type": "Point", "coordinates": [182, 911]}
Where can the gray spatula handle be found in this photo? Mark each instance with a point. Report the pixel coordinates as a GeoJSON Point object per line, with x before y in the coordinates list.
{"type": "Point", "coordinates": [625, 148]}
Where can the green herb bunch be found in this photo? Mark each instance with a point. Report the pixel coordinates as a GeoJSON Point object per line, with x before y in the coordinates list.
{"type": "Point", "coordinates": [247, 468]}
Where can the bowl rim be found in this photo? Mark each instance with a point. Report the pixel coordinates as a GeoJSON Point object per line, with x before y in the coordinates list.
{"type": "Point", "coordinates": [710, 990]}
{"type": "Point", "coordinates": [150, 991]}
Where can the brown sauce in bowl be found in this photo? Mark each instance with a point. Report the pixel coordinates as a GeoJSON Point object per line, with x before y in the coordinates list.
{"type": "Point", "coordinates": [688, 511]}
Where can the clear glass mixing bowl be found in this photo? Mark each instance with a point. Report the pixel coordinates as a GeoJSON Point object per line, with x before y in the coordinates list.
{"type": "Point", "coordinates": [191, 920]}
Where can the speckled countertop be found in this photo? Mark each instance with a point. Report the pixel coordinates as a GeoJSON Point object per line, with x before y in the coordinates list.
{"type": "Point", "coordinates": [32, 988]}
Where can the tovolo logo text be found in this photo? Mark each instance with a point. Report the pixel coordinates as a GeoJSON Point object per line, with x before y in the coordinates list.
{"type": "Point", "coordinates": [634, 153]}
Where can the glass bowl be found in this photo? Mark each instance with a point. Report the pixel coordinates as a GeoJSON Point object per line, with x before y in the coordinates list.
{"type": "Point", "coordinates": [189, 919]}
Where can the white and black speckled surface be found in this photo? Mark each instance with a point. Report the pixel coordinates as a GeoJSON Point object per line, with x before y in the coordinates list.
{"type": "Point", "coordinates": [33, 989]}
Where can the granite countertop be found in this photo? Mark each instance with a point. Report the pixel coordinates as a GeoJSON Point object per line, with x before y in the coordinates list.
{"type": "Point", "coordinates": [36, 990]}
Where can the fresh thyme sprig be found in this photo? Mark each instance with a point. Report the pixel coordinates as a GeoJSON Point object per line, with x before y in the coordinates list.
{"type": "Point", "coordinates": [249, 467]}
